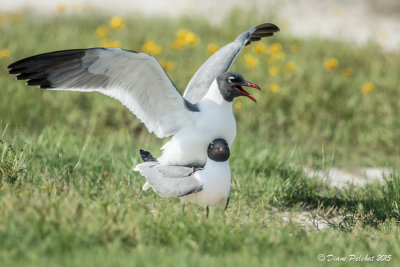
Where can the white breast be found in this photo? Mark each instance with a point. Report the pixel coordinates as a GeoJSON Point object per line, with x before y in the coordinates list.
{"type": "Point", "coordinates": [215, 120]}
{"type": "Point", "coordinates": [216, 181]}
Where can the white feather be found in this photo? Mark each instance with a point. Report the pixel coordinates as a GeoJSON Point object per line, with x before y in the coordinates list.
{"type": "Point", "coordinates": [138, 81]}
{"type": "Point", "coordinates": [215, 120]}
{"type": "Point", "coordinates": [216, 181]}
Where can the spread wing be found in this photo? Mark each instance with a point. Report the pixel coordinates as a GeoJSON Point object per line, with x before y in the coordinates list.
{"type": "Point", "coordinates": [136, 79]}
{"type": "Point", "coordinates": [222, 60]}
{"type": "Point", "coordinates": [170, 181]}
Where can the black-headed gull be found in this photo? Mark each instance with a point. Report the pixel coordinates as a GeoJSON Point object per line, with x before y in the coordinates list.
{"type": "Point", "coordinates": [138, 81]}
{"type": "Point", "coordinates": [207, 186]}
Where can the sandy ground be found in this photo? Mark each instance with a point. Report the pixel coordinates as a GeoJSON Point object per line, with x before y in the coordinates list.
{"type": "Point", "coordinates": [354, 21]}
{"type": "Point", "coordinates": [357, 176]}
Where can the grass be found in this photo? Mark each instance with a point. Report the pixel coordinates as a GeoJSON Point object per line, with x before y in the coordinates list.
{"type": "Point", "coordinates": [68, 196]}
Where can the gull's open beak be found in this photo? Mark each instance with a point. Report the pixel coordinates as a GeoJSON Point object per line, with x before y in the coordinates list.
{"type": "Point", "coordinates": [244, 93]}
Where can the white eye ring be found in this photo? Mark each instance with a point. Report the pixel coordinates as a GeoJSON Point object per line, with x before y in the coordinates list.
{"type": "Point", "coordinates": [231, 79]}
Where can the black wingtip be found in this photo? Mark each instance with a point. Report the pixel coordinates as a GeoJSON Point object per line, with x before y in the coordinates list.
{"type": "Point", "coordinates": [146, 156]}
{"type": "Point", "coordinates": [264, 30]}
{"type": "Point", "coordinates": [42, 83]}
{"type": "Point", "coordinates": [13, 70]}
{"type": "Point", "coordinates": [37, 69]}
{"type": "Point", "coordinates": [268, 27]}
{"type": "Point", "coordinates": [12, 65]}
{"type": "Point", "coordinates": [261, 31]}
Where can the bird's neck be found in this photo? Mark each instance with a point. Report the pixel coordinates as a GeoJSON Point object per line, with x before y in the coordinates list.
{"type": "Point", "coordinates": [212, 165]}
{"type": "Point", "coordinates": [214, 97]}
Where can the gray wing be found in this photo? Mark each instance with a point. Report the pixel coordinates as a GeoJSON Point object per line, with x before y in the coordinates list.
{"type": "Point", "coordinates": [136, 79]}
{"type": "Point", "coordinates": [170, 181]}
{"type": "Point", "coordinates": [221, 61]}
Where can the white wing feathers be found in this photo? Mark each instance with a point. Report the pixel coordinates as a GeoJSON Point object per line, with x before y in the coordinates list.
{"type": "Point", "coordinates": [222, 60]}
{"type": "Point", "coordinates": [169, 181]}
{"type": "Point", "coordinates": [137, 80]}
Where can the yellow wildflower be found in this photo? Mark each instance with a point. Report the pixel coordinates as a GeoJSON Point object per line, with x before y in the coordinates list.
{"type": "Point", "coordinates": [115, 44]}
{"type": "Point", "coordinates": [4, 53]}
{"type": "Point", "coordinates": [102, 32]}
{"type": "Point", "coordinates": [367, 88]}
{"type": "Point", "coordinates": [167, 65]}
{"type": "Point", "coordinates": [212, 48]}
{"type": "Point", "coordinates": [348, 72]}
{"type": "Point", "coordinates": [295, 47]}
{"type": "Point", "coordinates": [184, 38]}
{"type": "Point", "coordinates": [188, 37]}
{"type": "Point", "coordinates": [177, 44]}
{"type": "Point", "coordinates": [275, 48]}
{"type": "Point", "coordinates": [61, 8]}
{"type": "Point", "coordinates": [2, 188]}
{"type": "Point", "coordinates": [290, 67]}
{"type": "Point", "coordinates": [277, 56]}
{"type": "Point", "coordinates": [331, 64]}
{"type": "Point", "coordinates": [150, 47]}
{"type": "Point", "coordinates": [273, 88]}
{"type": "Point", "coordinates": [109, 43]}
{"type": "Point", "coordinates": [44, 187]}
{"type": "Point", "coordinates": [260, 48]}
{"type": "Point", "coordinates": [273, 70]}
{"type": "Point", "coordinates": [238, 105]}
{"type": "Point", "coordinates": [117, 23]}
{"type": "Point", "coordinates": [250, 60]}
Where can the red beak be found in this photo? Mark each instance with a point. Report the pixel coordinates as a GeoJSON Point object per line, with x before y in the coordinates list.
{"type": "Point", "coordinates": [249, 84]}
{"type": "Point", "coordinates": [244, 93]}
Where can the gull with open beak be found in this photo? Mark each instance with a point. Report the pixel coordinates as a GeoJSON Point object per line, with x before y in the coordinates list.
{"type": "Point", "coordinates": [139, 82]}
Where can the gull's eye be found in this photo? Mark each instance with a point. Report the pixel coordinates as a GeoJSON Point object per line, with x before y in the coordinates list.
{"type": "Point", "coordinates": [231, 79]}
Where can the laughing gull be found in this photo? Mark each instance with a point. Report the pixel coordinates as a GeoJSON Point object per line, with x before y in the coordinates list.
{"type": "Point", "coordinates": [139, 82]}
{"type": "Point", "coordinates": [207, 186]}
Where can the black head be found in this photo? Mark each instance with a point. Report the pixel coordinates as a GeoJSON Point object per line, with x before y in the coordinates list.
{"type": "Point", "coordinates": [218, 150]}
{"type": "Point", "coordinates": [230, 85]}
